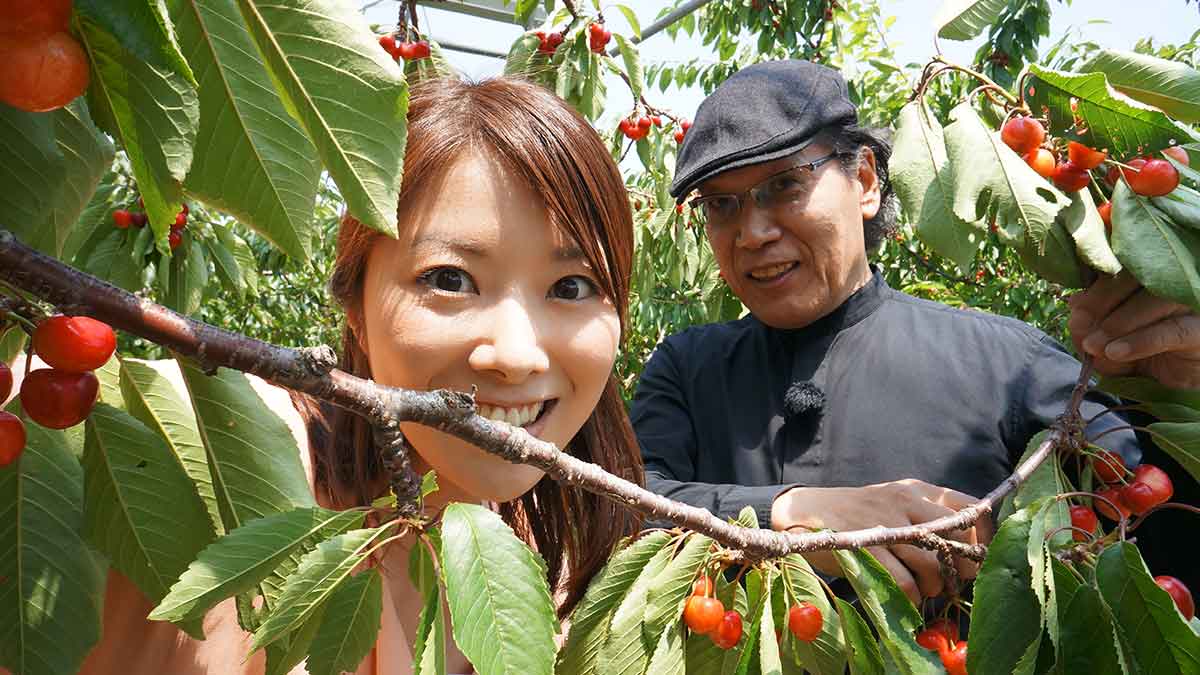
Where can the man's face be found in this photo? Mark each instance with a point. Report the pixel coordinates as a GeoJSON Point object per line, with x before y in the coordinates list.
{"type": "Point", "coordinates": [793, 262]}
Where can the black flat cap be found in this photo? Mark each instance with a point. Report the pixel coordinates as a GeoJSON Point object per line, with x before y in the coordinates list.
{"type": "Point", "coordinates": [761, 113]}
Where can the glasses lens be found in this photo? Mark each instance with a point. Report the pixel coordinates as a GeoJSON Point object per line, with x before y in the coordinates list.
{"type": "Point", "coordinates": [716, 209]}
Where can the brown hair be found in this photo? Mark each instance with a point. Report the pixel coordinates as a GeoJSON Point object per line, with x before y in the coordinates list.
{"type": "Point", "coordinates": [560, 156]}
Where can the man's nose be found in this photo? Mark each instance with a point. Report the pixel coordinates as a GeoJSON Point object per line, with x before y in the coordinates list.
{"type": "Point", "coordinates": [511, 349]}
{"type": "Point", "coordinates": [758, 228]}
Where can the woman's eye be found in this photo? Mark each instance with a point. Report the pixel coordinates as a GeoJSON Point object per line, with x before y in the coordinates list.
{"type": "Point", "coordinates": [449, 279]}
{"type": "Point", "coordinates": [573, 288]}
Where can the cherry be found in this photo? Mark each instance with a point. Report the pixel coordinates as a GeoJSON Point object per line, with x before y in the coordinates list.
{"type": "Point", "coordinates": [1022, 134]}
{"type": "Point", "coordinates": [805, 621]}
{"type": "Point", "coordinates": [12, 437]}
{"type": "Point", "coordinates": [1085, 519]}
{"type": "Point", "coordinates": [404, 50]}
{"type": "Point", "coordinates": [644, 123]}
{"type": "Point", "coordinates": [180, 221]}
{"type": "Point", "coordinates": [1178, 154]}
{"type": "Point", "coordinates": [679, 136]}
{"type": "Point", "coordinates": [42, 73]}
{"type": "Point", "coordinates": [703, 614]}
{"type": "Point", "coordinates": [1150, 487]}
{"type": "Point", "coordinates": [388, 42]}
{"type": "Point", "coordinates": [598, 37]}
{"type": "Point", "coordinates": [1084, 157]}
{"type": "Point", "coordinates": [184, 208]}
{"type": "Point", "coordinates": [729, 631]}
{"type": "Point", "coordinates": [1116, 496]}
{"type": "Point", "coordinates": [1108, 466]}
{"type": "Point", "coordinates": [1112, 175]}
{"type": "Point", "coordinates": [955, 660]}
{"type": "Point", "coordinates": [656, 120]}
{"type": "Point", "coordinates": [122, 219]}
{"type": "Point", "coordinates": [6, 379]}
{"type": "Point", "coordinates": [685, 125]}
{"type": "Point", "coordinates": [1156, 178]}
{"type": "Point", "coordinates": [1105, 210]}
{"type": "Point", "coordinates": [938, 635]}
{"type": "Point", "coordinates": [174, 239]}
{"type": "Point", "coordinates": [1041, 160]}
{"type": "Point", "coordinates": [1174, 587]}
{"type": "Point", "coordinates": [1070, 178]}
{"type": "Point", "coordinates": [74, 344]}
{"type": "Point", "coordinates": [139, 218]}
{"type": "Point", "coordinates": [421, 50]}
{"type": "Point", "coordinates": [56, 399]}
{"type": "Point", "coordinates": [34, 17]}
{"type": "Point", "coordinates": [703, 586]}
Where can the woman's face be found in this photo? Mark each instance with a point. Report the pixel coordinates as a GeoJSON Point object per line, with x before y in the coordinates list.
{"type": "Point", "coordinates": [479, 290]}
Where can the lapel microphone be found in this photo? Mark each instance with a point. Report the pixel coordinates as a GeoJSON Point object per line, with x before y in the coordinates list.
{"type": "Point", "coordinates": [803, 399]}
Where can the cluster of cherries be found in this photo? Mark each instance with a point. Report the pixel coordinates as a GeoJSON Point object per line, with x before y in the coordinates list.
{"type": "Point", "coordinates": [942, 636]}
{"type": "Point", "coordinates": [548, 42]}
{"type": "Point", "coordinates": [62, 395]}
{"type": "Point", "coordinates": [637, 127]}
{"type": "Point", "coordinates": [598, 37]}
{"type": "Point", "coordinates": [124, 218]}
{"type": "Point", "coordinates": [42, 67]}
{"type": "Point", "coordinates": [409, 51]}
{"type": "Point", "coordinates": [706, 615]}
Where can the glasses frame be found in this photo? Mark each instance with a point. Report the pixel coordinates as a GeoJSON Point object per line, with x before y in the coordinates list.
{"type": "Point", "coordinates": [696, 204]}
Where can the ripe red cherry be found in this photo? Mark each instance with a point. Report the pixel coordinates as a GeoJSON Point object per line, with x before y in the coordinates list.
{"type": "Point", "coordinates": [57, 399]}
{"type": "Point", "coordinates": [805, 621]}
{"type": "Point", "coordinates": [729, 631]}
{"type": "Point", "coordinates": [1116, 496]}
{"type": "Point", "coordinates": [1041, 160]}
{"type": "Point", "coordinates": [1022, 134]}
{"type": "Point", "coordinates": [1085, 519]}
{"type": "Point", "coordinates": [1179, 593]}
{"type": "Point", "coordinates": [5, 381]}
{"type": "Point", "coordinates": [40, 73]}
{"type": "Point", "coordinates": [1156, 178]}
{"type": "Point", "coordinates": [679, 136]}
{"type": "Point", "coordinates": [955, 660]}
{"type": "Point", "coordinates": [554, 40]}
{"type": "Point", "coordinates": [1108, 466]}
{"type": "Point", "coordinates": [1071, 178]}
{"type": "Point", "coordinates": [74, 344]}
{"type": "Point", "coordinates": [1105, 210]}
{"type": "Point", "coordinates": [1084, 157]}
{"type": "Point", "coordinates": [644, 123]}
{"type": "Point", "coordinates": [138, 218]}
{"type": "Point", "coordinates": [421, 50]}
{"type": "Point", "coordinates": [1150, 487]}
{"type": "Point", "coordinates": [12, 437]}
{"type": "Point", "coordinates": [1178, 154]}
{"type": "Point", "coordinates": [657, 120]}
{"type": "Point", "coordinates": [685, 125]}
{"type": "Point", "coordinates": [388, 43]}
{"type": "Point", "coordinates": [938, 635]}
{"type": "Point", "coordinates": [702, 586]}
{"type": "Point", "coordinates": [703, 614]}
{"type": "Point", "coordinates": [34, 17]}
{"type": "Point", "coordinates": [180, 221]}
{"type": "Point", "coordinates": [1112, 175]}
{"type": "Point", "coordinates": [174, 239]}
{"type": "Point", "coordinates": [122, 219]}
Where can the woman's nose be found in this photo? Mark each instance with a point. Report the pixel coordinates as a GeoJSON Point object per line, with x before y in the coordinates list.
{"type": "Point", "coordinates": [512, 348]}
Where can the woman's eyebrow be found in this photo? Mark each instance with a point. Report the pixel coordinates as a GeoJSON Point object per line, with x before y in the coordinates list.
{"type": "Point", "coordinates": [569, 253]}
{"type": "Point", "coordinates": [464, 247]}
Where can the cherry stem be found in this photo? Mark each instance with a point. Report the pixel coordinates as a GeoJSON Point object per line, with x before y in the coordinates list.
{"type": "Point", "coordinates": [1111, 409]}
{"type": "Point", "coordinates": [988, 82]}
{"type": "Point", "coordinates": [1168, 505]}
{"type": "Point", "coordinates": [1121, 524]}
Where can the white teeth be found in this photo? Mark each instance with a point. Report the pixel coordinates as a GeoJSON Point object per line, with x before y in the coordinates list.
{"type": "Point", "coordinates": [517, 417]}
{"type": "Point", "coordinates": [771, 272]}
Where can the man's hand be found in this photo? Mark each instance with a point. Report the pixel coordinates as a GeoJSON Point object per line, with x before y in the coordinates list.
{"type": "Point", "coordinates": [896, 504]}
{"type": "Point", "coordinates": [1128, 331]}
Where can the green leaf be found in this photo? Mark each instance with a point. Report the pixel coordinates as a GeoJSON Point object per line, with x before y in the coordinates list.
{"type": "Point", "coordinates": [93, 222]}
{"type": "Point", "coordinates": [922, 176]}
{"type": "Point", "coordinates": [281, 657]}
{"type": "Point", "coordinates": [702, 655]}
{"type": "Point", "coordinates": [361, 145]}
{"type": "Point", "coordinates": [1170, 86]}
{"type": "Point", "coordinates": [32, 167]}
{"type": "Point", "coordinates": [150, 107]}
{"type": "Point", "coordinates": [1089, 641]}
{"type": "Point", "coordinates": [668, 658]}
{"type": "Point", "coordinates": [671, 588]}
{"type": "Point", "coordinates": [625, 651]}
{"type": "Point", "coordinates": [633, 66]}
{"type": "Point", "coordinates": [964, 19]}
{"type": "Point", "coordinates": [246, 556]}
{"type": "Point", "coordinates": [1006, 615]}
{"type": "Point", "coordinates": [88, 154]}
{"type": "Point", "coordinates": [747, 517]}
{"type": "Point", "coordinates": [522, 55]}
{"type": "Point", "coordinates": [524, 10]}
{"type": "Point", "coordinates": [350, 625]}
{"type": "Point", "coordinates": [321, 572]}
{"type": "Point", "coordinates": [1181, 206]}
{"type": "Point", "coordinates": [498, 594]}
{"type": "Point", "coordinates": [631, 17]}
{"type": "Point", "coordinates": [862, 652]}
{"type": "Point", "coordinates": [1160, 639]}
{"type": "Point", "coordinates": [827, 654]}
{"type": "Point", "coordinates": [993, 181]}
{"type": "Point", "coordinates": [889, 609]}
{"type": "Point", "coordinates": [189, 276]}
{"type": "Point", "coordinates": [143, 30]}
{"type": "Point", "coordinates": [1083, 221]}
{"type": "Point", "coordinates": [1054, 259]}
{"type": "Point", "coordinates": [252, 454]}
{"type": "Point", "coordinates": [1158, 254]}
{"type": "Point", "coordinates": [1122, 126]}
{"type": "Point", "coordinates": [53, 586]}
{"type": "Point", "coordinates": [12, 341]}
{"type": "Point", "coordinates": [142, 510]}
{"type": "Point", "coordinates": [1181, 441]}
{"type": "Point", "coordinates": [429, 653]}
{"type": "Point", "coordinates": [253, 160]}
{"type": "Point", "coordinates": [429, 484]}
{"type": "Point", "coordinates": [769, 662]}
{"type": "Point", "coordinates": [591, 619]}
{"type": "Point", "coordinates": [758, 588]}
{"type": "Point", "coordinates": [243, 262]}
{"type": "Point", "coordinates": [1149, 391]}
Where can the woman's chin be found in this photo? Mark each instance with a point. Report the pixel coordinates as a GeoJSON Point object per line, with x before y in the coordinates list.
{"type": "Point", "coordinates": [495, 483]}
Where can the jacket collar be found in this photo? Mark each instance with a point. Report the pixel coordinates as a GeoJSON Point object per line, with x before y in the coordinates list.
{"type": "Point", "coordinates": [861, 304]}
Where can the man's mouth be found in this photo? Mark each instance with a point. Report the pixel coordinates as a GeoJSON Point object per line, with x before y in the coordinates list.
{"type": "Point", "coordinates": [771, 272]}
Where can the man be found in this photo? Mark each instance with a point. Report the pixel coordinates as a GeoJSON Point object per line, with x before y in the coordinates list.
{"type": "Point", "coordinates": [839, 402]}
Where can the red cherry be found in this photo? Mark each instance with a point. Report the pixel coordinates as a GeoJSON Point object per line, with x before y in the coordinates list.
{"type": "Point", "coordinates": [607, 36]}
{"type": "Point", "coordinates": [703, 614]}
{"type": "Point", "coordinates": [938, 635]}
{"type": "Point", "coordinates": [1134, 167]}
{"type": "Point", "coordinates": [122, 219]}
{"type": "Point", "coordinates": [1022, 134]}
{"type": "Point", "coordinates": [1112, 175]}
{"type": "Point", "coordinates": [1114, 495]}
{"type": "Point", "coordinates": [1041, 160]}
{"type": "Point", "coordinates": [679, 209]}
{"type": "Point", "coordinates": [1108, 466]}
{"type": "Point", "coordinates": [656, 120]}
{"type": "Point", "coordinates": [185, 209]}
{"type": "Point", "coordinates": [138, 218]}
{"type": "Point", "coordinates": [955, 660]}
{"type": "Point", "coordinates": [554, 40]}
{"type": "Point", "coordinates": [74, 344]}
{"type": "Point", "coordinates": [1156, 178]}
{"type": "Point", "coordinates": [805, 621]}
{"type": "Point", "coordinates": [644, 123]}
{"type": "Point", "coordinates": [6, 380]}
{"type": "Point", "coordinates": [679, 136]}
{"type": "Point", "coordinates": [1085, 519]}
{"type": "Point", "coordinates": [405, 50]}
{"type": "Point", "coordinates": [702, 586]}
{"type": "Point", "coordinates": [12, 438]}
{"type": "Point", "coordinates": [1150, 487]}
{"type": "Point", "coordinates": [1070, 178]}
{"type": "Point", "coordinates": [1084, 157]}
{"type": "Point", "coordinates": [174, 239]}
{"type": "Point", "coordinates": [180, 221]}
{"type": "Point", "coordinates": [627, 127]}
{"type": "Point", "coordinates": [596, 30]}
{"type": "Point", "coordinates": [685, 125]}
{"type": "Point", "coordinates": [1178, 154]}
{"type": "Point", "coordinates": [729, 631]}
{"type": "Point", "coordinates": [421, 50]}
{"type": "Point", "coordinates": [1175, 588]}
{"type": "Point", "coordinates": [34, 17]}
{"type": "Point", "coordinates": [1105, 210]}
{"type": "Point", "coordinates": [388, 42]}
{"type": "Point", "coordinates": [56, 399]}
{"type": "Point", "coordinates": [39, 73]}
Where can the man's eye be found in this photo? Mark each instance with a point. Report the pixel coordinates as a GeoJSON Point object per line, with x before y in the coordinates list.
{"type": "Point", "coordinates": [721, 207]}
{"type": "Point", "coordinates": [449, 279]}
{"type": "Point", "coordinates": [786, 184]}
{"type": "Point", "coordinates": [573, 288]}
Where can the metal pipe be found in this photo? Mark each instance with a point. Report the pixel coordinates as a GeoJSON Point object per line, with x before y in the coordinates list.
{"type": "Point", "coordinates": [468, 49]}
{"type": "Point", "coordinates": [657, 27]}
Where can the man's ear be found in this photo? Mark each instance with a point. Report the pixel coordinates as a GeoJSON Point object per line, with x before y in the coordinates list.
{"type": "Point", "coordinates": [869, 179]}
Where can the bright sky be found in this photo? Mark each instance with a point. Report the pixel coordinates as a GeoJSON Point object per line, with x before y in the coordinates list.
{"type": "Point", "coordinates": [1114, 23]}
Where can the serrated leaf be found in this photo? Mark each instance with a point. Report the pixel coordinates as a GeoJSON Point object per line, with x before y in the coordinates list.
{"type": "Point", "coordinates": [321, 54]}
{"type": "Point", "coordinates": [1158, 254]}
{"type": "Point", "coordinates": [429, 652]}
{"type": "Point", "coordinates": [1149, 391]}
{"type": "Point", "coordinates": [862, 652]}
{"type": "Point", "coordinates": [591, 619]}
{"type": "Point", "coordinates": [1088, 643]}
{"type": "Point", "coordinates": [1052, 516]}
{"type": "Point", "coordinates": [922, 177]}
{"type": "Point", "coordinates": [350, 625]}
{"type": "Point", "coordinates": [499, 598]}
{"type": "Point", "coordinates": [826, 654]}
{"type": "Point", "coordinates": [993, 181]}
{"type": "Point", "coordinates": [246, 556]}
{"type": "Point", "coordinates": [522, 55]}
{"type": "Point", "coordinates": [625, 651]}
{"type": "Point", "coordinates": [889, 609]}
{"type": "Point", "coordinates": [768, 645]}
{"type": "Point", "coordinates": [668, 657]}
{"type": "Point", "coordinates": [143, 29]}
{"type": "Point", "coordinates": [1158, 635]}
{"type": "Point", "coordinates": [93, 222]}
{"type": "Point", "coordinates": [109, 261]}
{"type": "Point", "coordinates": [758, 591]}
{"type": "Point", "coordinates": [631, 17]}
{"type": "Point", "coordinates": [1170, 86]}
{"type": "Point", "coordinates": [32, 167]}
{"type": "Point", "coordinates": [671, 588]}
{"type": "Point", "coordinates": [747, 517]}
{"type": "Point", "coordinates": [1083, 221]}
{"type": "Point", "coordinates": [964, 19]}
{"type": "Point", "coordinates": [320, 573]}
{"type": "Point", "coordinates": [281, 657]}
{"type": "Point", "coordinates": [1054, 259]}
{"type": "Point", "coordinates": [633, 66]}
{"type": "Point", "coordinates": [429, 484]}
{"type": "Point", "coordinates": [53, 587]}
{"type": "Point", "coordinates": [253, 160]}
{"type": "Point", "coordinates": [189, 276]}
{"type": "Point", "coordinates": [141, 509]}
{"type": "Point", "coordinates": [242, 259]}
{"type": "Point", "coordinates": [1181, 441]}
{"type": "Point", "coordinates": [88, 154]}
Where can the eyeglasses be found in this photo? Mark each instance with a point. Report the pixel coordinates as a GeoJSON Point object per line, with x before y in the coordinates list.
{"type": "Point", "coordinates": [786, 187]}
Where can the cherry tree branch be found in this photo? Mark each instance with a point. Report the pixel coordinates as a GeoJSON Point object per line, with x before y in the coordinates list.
{"type": "Point", "coordinates": [312, 371]}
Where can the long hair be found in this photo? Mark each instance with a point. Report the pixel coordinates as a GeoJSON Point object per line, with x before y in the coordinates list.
{"type": "Point", "coordinates": [550, 146]}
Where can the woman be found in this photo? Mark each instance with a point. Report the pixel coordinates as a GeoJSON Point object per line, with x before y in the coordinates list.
{"type": "Point", "coordinates": [511, 275]}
